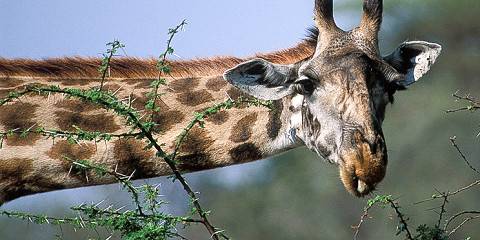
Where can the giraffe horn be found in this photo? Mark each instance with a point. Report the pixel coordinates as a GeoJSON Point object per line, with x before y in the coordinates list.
{"type": "Point", "coordinates": [371, 18]}
{"type": "Point", "coordinates": [324, 16]}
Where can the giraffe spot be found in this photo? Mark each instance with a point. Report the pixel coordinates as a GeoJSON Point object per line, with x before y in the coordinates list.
{"type": "Point", "coordinates": [67, 152]}
{"type": "Point", "coordinates": [195, 98]}
{"type": "Point", "coordinates": [197, 140]}
{"type": "Point", "coordinates": [19, 178]}
{"type": "Point", "coordinates": [167, 119]}
{"type": "Point", "coordinates": [13, 177]}
{"type": "Point", "coordinates": [274, 123]}
{"type": "Point", "coordinates": [218, 118]}
{"type": "Point", "coordinates": [140, 101]}
{"type": "Point", "coordinates": [245, 152]}
{"type": "Point", "coordinates": [234, 93]}
{"type": "Point", "coordinates": [132, 156]}
{"type": "Point", "coordinates": [216, 84]}
{"type": "Point", "coordinates": [10, 82]}
{"type": "Point", "coordinates": [77, 106]}
{"type": "Point", "coordinates": [242, 130]}
{"type": "Point", "coordinates": [79, 81]}
{"type": "Point", "coordinates": [184, 84]}
{"type": "Point", "coordinates": [63, 149]}
{"type": "Point", "coordinates": [193, 151]}
{"type": "Point", "coordinates": [19, 116]}
{"type": "Point", "coordinates": [93, 122]}
{"type": "Point", "coordinates": [15, 168]}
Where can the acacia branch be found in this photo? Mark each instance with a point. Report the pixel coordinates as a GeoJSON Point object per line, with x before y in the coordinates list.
{"type": "Point", "coordinates": [473, 103]}
{"type": "Point", "coordinates": [454, 143]}
{"type": "Point", "coordinates": [403, 222]}
{"type": "Point", "coordinates": [452, 218]}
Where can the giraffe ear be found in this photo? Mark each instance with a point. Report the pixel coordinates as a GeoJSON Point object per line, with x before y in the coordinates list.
{"type": "Point", "coordinates": [413, 60]}
{"type": "Point", "coordinates": [262, 79]}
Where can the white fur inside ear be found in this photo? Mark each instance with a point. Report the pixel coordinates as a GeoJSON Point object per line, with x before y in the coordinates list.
{"type": "Point", "coordinates": [423, 61]}
{"type": "Point", "coordinates": [261, 79]}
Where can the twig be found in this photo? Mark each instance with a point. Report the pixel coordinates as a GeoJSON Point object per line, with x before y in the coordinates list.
{"type": "Point", "coordinates": [450, 220]}
{"type": "Point", "coordinates": [454, 143]}
{"type": "Point", "coordinates": [474, 104]}
{"type": "Point", "coordinates": [105, 66]}
{"type": "Point", "coordinates": [448, 194]}
{"type": "Point", "coordinates": [403, 221]}
{"type": "Point", "coordinates": [463, 223]}
{"type": "Point", "coordinates": [362, 219]}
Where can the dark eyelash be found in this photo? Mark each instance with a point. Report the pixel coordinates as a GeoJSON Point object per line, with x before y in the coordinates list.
{"type": "Point", "coordinates": [311, 74]}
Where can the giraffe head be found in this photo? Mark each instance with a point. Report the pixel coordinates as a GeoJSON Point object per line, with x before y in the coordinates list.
{"type": "Point", "coordinates": [338, 95]}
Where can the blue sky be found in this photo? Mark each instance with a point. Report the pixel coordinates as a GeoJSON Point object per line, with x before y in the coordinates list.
{"type": "Point", "coordinates": [54, 28]}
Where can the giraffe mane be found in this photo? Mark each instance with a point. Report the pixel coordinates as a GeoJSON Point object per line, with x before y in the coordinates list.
{"type": "Point", "coordinates": [133, 67]}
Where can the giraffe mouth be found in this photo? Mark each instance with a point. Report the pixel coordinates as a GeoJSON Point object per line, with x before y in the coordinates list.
{"type": "Point", "coordinates": [354, 184]}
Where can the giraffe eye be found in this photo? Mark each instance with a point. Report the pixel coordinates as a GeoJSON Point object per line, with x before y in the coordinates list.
{"type": "Point", "coordinates": [304, 86]}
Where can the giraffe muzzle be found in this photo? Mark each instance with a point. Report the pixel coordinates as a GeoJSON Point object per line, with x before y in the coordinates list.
{"type": "Point", "coordinates": [364, 166]}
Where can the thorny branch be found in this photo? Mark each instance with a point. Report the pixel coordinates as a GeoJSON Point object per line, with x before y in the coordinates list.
{"type": "Point", "coordinates": [454, 143]}
{"type": "Point", "coordinates": [163, 69]}
{"type": "Point", "coordinates": [104, 68]}
{"type": "Point", "coordinates": [79, 135]}
{"type": "Point", "coordinates": [403, 226]}
{"type": "Point", "coordinates": [473, 104]}
{"type": "Point", "coordinates": [108, 101]}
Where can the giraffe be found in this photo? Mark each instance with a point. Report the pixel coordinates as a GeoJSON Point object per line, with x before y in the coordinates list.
{"type": "Point", "coordinates": [329, 93]}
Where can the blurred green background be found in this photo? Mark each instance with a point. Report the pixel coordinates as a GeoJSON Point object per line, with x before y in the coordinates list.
{"type": "Point", "coordinates": [297, 195]}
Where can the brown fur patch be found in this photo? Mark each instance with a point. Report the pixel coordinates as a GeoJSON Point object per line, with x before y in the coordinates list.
{"type": "Point", "coordinates": [218, 118]}
{"type": "Point", "coordinates": [63, 148]}
{"type": "Point", "coordinates": [129, 67]}
{"type": "Point", "coordinates": [132, 156]}
{"type": "Point", "coordinates": [10, 82]}
{"type": "Point", "coordinates": [245, 152]}
{"type": "Point", "coordinates": [76, 105]}
{"type": "Point", "coordinates": [18, 179]}
{"type": "Point", "coordinates": [242, 130]}
{"type": "Point", "coordinates": [94, 122]}
{"type": "Point", "coordinates": [195, 98]}
{"type": "Point", "coordinates": [234, 93]}
{"type": "Point", "coordinates": [193, 152]}
{"type": "Point", "coordinates": [14, 174]}
{"type": "Point", "coordinates": [274, 122]}
{"type": "Point", "coordinates": [67, 152]}
{"type": "Point", "coordinates": [167, 119]}
{"type": "Point", "coordinates": [216, 84]}
{"type": "Point", "coordinates": [15, 168]}
{"type": "Point", "coordinates": [184, 84]}
{"type": "Point", "coordinates": [19, 116]}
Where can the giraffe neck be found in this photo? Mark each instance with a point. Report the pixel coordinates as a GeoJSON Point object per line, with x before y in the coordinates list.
{"type": "Point", "coordinates": [34, 164]}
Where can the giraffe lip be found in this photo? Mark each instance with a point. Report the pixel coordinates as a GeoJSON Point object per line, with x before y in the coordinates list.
{"type": "Point", "coordinates": [362, 187]}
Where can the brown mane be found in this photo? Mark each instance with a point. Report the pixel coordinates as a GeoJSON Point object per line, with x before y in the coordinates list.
{"type": "Point", "coordinates": [131, 67]}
